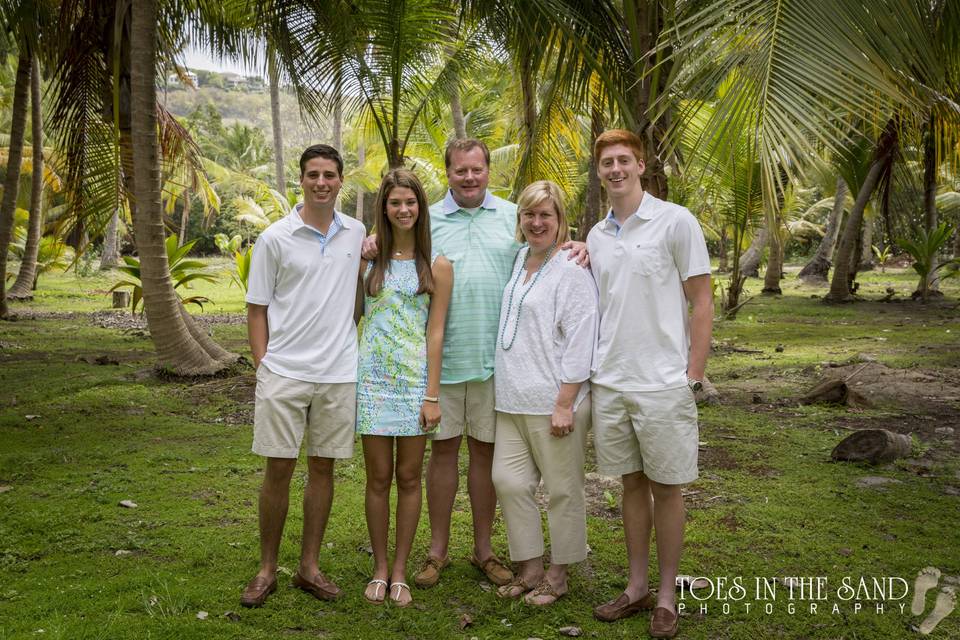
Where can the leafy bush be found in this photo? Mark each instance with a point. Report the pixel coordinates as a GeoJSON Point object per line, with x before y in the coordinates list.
{"type": "Point", "coordinates": [182, 272]}
{"type": "Point", "coordinates": [924, 250]}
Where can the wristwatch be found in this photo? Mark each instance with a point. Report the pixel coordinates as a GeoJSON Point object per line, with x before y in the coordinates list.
{"type": "Point", "coordinates": [695, 385]}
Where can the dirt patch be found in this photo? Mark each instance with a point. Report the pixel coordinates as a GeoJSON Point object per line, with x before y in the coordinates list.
{"type": "Point", "coordinates": [730, 522]}
{"type": "Point", "coordinates": [716, 458]}
{"type": "Point", "coordinates": [239, 389]}
{"type": "Point", "coordinates": [123, 320]}
{"type": "Point", "coordinates": [879, 385]}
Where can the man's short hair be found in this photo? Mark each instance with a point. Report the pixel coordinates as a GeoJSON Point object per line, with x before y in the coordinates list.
{"type": "Point", "coordinates": [466, 144]}
{"type": "Point", "coordinates": [321, 151]}
{"type": "Point", "coordinates": [537, 193]}
{"type": "Point", "coordinates": [618, 136]}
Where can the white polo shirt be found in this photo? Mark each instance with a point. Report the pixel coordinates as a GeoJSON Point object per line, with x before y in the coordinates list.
{"type": "Point", "coordinates": [644, 338]}
{"type": "Point", "coordinates": [308, 282]}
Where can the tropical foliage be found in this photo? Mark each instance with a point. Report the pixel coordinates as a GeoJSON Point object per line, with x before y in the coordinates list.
{"type": "Point", "coordinates": [182, 273]}
{"type": "Point", "coordinates": [782, 125]}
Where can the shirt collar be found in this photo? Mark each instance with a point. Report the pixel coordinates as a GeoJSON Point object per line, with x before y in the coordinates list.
{"type": "Point", "coordinates": [646, 210]}
{"type": "Point", "coordinates": [449, 205]}
{"type": "Point", "coordinates": [339, 219]}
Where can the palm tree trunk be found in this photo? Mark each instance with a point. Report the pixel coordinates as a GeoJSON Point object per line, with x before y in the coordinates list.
{"type": "Point", "coordinates": [649, 70]}
{"type": "Point", "coordinates": [815, 272]}
{"type": "Point", "coordinates": [526, 67]}
{"type": "Point", "coordinates": [723, 263]}
{"type": "Point", "coordinates": [930, 196]}
{"type": "Point", "coordinates": [749, 263]}
{"type": "Point", "coordinates": [839, 285]}
{"type": "Point", "coordinates": [456, 109]}
{"type": "Point", "coordinates": [177, 345]}
{"type": "Point", "coordinates": [774, 272]}
{"type": "Point", "coordinates": [866, 262]}
{"type": "Point", "coordinates": [12, 181]}
{"type": "Point", "coordinates": [111, 254]}
{"type": "Point", "coordinates": [281, 180]}
{"type": "Point", "coordinates": [361, 160]}
{"type": "Point", "coordinates": [27, 277]}
{"type": "Point", "coordinates": [592, 202]}
{"type": "Point", "coordinates": [338, 124]}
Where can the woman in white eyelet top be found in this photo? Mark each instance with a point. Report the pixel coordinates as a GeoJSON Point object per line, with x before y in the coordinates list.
{"type": "Point", "coordinates": [545, 344]}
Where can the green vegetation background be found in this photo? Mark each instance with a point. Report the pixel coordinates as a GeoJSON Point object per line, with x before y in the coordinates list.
{"type": "Point", "coordinates": [77, 438]}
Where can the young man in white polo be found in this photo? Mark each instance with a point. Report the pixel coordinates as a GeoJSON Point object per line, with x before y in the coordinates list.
{"type": "Point", "coordinates": [300, 302]}
{"type": "Point", "coordinates": [650, 262]}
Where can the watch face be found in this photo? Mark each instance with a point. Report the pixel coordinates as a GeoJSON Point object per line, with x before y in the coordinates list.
{"type": "Point", "coordinates": [696, 385]}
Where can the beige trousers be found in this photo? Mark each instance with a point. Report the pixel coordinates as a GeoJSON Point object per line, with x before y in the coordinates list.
{"type": "Point", "coordinates": [524, 453]}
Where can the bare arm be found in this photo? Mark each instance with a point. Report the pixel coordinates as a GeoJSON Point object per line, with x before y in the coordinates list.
{"type": "Point", "coordinates": [561, 422]}
{"type": "Point", "coordinates": [359, 303]}
{"type": "Point", "coordinates": [258, 331]}
{"type": "Point", "coordinates": [699, 295]}
{"type": "Point", "coordinates": [436, 321]}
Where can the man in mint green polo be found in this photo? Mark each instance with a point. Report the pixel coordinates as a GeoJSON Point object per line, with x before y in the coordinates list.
{"type": "Point", "coordinates": [476, 231]}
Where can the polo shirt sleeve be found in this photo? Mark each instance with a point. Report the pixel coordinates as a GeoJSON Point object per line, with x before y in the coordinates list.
{"type": "Point", "coordinates": [263, 272]}
{"type": "Point", "coordinates": [688, 247]}
{"type": "Point", "coordinates": [578, 319]}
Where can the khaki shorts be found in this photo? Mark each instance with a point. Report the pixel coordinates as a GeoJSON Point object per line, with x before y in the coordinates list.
{"type": "Point", "coordinates": [467, 408]}
{"type": "Point", "coordinates": [287, 409]}
{"type": "Point", "coordinates": [651, 431]}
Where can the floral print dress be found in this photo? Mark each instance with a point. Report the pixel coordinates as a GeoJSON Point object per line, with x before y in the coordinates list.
{"type": "Point", "coordinates": [392, 374]}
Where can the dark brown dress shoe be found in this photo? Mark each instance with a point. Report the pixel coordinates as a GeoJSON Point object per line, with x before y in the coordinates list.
{"type": "Point", "coordinates": [621, 607]}
{"type": "Point", "coordinates": [664, 623]}
{"type": "Point", "coordinates": [319, 587]}
{"type": "Point", "coordinates": [257, 590]}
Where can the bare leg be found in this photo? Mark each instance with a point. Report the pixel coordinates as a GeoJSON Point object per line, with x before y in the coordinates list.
{"type": "Point", "coordinates": [669, 518]}
{"type": "Point", "coordinates": [483, 497]}
{"type": "Point", "coordinates": [274, 499]}
{"type": "Point", "coordinates": [409, 468]}
{"type": "Point", "coordinates": [317, 498]}
{"type": "Point", "coordinates": [378, 460]}
{"type": "Point", "coordinates": [443, 477]}
{"type": "Point", "coordinates": [637, 522]}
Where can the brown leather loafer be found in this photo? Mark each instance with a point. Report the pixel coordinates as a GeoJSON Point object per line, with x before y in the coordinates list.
{"type": "Point", "coordinates": [494, 568]}
{"type": "Point", "coordinates": [664, 623]}
{"type": "Point", "coordinates": [621, 607]}
{"type": "Point", "coordinates": [320, 587]}
{"type": "Point", "coordinates": [257, 590]}
{"type": "Point", "coordinates": [429, 573]}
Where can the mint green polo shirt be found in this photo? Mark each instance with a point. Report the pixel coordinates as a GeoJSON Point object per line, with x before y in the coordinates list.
{"type": "Point", "coordinates": [482, 247]}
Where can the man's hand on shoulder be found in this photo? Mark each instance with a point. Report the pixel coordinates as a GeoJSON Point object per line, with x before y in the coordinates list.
{"type": "Point", "coordinates": [369, 249]}
{"type": "Point", "coordinates": [578, 251]}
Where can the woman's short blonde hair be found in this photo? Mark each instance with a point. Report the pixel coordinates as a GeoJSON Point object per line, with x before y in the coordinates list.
{"type": "Point", "coordinates": [535, 194]}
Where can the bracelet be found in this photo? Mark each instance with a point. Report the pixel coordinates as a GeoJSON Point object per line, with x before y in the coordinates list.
{"type": "Point", "coordinates": [430, 399]}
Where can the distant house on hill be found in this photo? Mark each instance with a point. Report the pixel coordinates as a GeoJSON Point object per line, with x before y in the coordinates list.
{"type": "Point", "coordinates": [174, 80]}
{"type": "Point", "coordinates": [235, 81]}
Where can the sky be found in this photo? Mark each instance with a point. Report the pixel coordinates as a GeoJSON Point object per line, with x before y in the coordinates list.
{"type": "Point", "coordinates": [196, 58]}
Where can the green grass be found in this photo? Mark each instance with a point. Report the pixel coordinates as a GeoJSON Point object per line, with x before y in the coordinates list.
{"type": "Point", "coordinates": [769, 502]}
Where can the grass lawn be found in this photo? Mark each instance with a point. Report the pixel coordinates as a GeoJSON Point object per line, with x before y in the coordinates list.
{"type": "Point", "coordinates": [79, 437]}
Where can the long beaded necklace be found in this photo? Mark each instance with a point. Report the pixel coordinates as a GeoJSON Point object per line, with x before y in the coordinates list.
{"type": "Point", "coordinates": [513, 288]}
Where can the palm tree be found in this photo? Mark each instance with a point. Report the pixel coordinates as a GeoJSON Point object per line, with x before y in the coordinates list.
{"type": "Point", "coordinates": [26, 277]}
{"type": "Point", "coordinates": [884, 153]}
{"type": "Point", "coordinates": [181, 345]}
{"type": "Point", "coordinates": [815, 271]}
{"type": "Point", "coordinates": [93, 124]}
{"type": "Point", "coordinates": [281, 180]}
{"type": "Point", "coordinates": [11, 183]}
{"type": "Point", "coordinates": [797, 72]}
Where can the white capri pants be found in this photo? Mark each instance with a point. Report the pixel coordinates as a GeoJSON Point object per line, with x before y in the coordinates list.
{"type": "Point", "coordinates": [524, 453]}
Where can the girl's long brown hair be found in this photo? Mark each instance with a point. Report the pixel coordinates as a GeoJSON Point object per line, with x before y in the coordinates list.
{"type": "Point", "coordinates": [421, 231]}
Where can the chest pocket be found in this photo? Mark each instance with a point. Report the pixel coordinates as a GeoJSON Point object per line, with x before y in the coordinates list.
{"type": "Point", "coordinates": [647, 259]}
